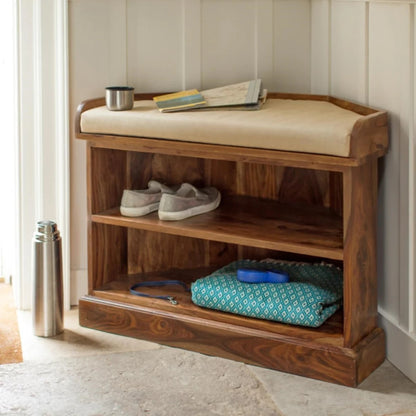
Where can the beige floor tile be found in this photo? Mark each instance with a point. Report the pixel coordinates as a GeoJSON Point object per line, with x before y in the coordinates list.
{"type": "Point", "coordinates": [74, 341]}
{"type": "Point", "coordinates": [386, 392]}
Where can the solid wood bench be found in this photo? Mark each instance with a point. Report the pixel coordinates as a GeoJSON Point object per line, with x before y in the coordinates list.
{"type": "Point", "coordinates": [299, 181]}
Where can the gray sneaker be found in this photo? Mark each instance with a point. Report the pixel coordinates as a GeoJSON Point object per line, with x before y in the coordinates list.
{"type": "Point", "coordinates": [136, 203]}
{"type": "Point", "coordinates": [188, 201]}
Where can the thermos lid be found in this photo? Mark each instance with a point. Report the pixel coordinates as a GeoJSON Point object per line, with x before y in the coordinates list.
{"type": "Point", "coordinates": [46, 230]}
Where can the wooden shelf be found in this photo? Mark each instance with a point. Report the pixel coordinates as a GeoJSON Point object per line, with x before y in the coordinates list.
{"type": "Point", "coordinates": [251, 222]}
{"type": "Point", "coordinates": [330, 333]}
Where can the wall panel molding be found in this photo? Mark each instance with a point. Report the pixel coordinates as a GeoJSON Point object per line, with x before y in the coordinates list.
{"type": "Point", "coordinates": [191, 77]}
{"type": "Point", "coordinates": [292, 48]}
{"type": "Point", "coordinates": [412, 178]}
{"type": "Point", "coordinates": [320, 46]}
{"type": "Point", "coordinates": [228, 55]}
{"type": "Point", "coordinates": [155, 52]}
{"type": "Point", "coordinates": [264, 41]}
{"type": "Point", "coordinates": [349, 52]}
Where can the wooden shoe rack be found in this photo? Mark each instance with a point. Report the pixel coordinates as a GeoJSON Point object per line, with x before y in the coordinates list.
{"type": "Point", "coordinates": [279, 204]}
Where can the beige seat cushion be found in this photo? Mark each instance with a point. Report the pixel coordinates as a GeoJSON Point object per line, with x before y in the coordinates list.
{"type": "Point", "coordinates": [291, 125]}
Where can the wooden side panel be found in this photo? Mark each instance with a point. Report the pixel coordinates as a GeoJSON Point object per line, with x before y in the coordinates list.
{"type": "Point", "coordinates": [106, 177]}
{"type": "Point", "coordinates": [107, 257]}
{"type": "Point", "coordinates": [371, 354]}
{"type": "Point", "coordinates": [336, 192]}
{"type": "Point", "coordinates": [360, 275]}
{"type": "Point", "coordinates": [107, 249]}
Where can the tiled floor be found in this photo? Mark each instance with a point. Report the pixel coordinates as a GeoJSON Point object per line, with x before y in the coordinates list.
{"type": "Point", "coordinates": [86, 372]}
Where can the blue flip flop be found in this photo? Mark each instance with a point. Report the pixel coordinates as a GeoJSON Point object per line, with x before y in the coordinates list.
{"type": "Point", "coordinates": [261, 276]}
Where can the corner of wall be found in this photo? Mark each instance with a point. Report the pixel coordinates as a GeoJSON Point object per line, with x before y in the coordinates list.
{"type": "Point", "coordinates": [401, 345]}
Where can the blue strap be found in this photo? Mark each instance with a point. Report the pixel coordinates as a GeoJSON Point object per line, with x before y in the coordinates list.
{"type": "Point", "coordinates": [171, 299]}
{"type": "Point", "coordinates": [262, 276]}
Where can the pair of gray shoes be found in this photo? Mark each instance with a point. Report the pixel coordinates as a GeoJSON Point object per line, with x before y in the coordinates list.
{"type": "Point", "coordinates": [172, 203]}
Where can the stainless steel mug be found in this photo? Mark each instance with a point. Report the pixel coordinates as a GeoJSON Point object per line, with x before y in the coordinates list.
{"type": "Point", "coordinates": [119, 98]}
{"type": "Point", "coordinates": [47, 288]}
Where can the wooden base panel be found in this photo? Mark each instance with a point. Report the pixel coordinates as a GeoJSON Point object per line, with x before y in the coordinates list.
{"type": "Point", "coordinates": [345, 366]}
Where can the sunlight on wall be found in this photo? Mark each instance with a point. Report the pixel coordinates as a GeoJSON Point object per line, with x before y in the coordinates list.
{"type": "Point", "coordinates": [8, 142]}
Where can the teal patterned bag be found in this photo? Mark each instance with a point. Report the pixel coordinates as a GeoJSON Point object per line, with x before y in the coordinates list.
{"type": "Point", "coordinates": [312, 295]}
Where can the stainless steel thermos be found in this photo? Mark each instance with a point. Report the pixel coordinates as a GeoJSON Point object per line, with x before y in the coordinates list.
{"type": "Point", "coordinates": [47, 287]}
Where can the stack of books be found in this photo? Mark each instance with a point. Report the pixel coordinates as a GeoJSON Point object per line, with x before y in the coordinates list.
{"type": "Point", "coordinates": [247, 95]}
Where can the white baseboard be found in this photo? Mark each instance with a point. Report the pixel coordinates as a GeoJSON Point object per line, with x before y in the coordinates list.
{"type": "Point", "coordinates": [400, 345]}
{"type": "Point", "coordinates": [79, 285]}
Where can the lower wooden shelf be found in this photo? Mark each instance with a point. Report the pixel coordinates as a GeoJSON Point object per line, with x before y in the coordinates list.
{"type": "Point", "coordinates": [311, 352]}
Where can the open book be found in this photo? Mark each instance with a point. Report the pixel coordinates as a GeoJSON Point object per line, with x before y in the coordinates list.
{"type": "Point", "coordinates": [247, 95]}
{"type": "Point", "coordinates": [242, 96]}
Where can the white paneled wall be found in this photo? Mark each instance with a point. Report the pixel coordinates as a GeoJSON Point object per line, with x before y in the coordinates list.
{"type": "Point", "coordinates": [389, 87]}
{"type": "Point", "coordinates": [227, 55]}
{"type": "Point", "coordinates": [370, 59]}
{"type": "Point", "coordinates": [355, 49]}
{"type": "Point", "coordinates": [155, 49]}
{"type": "Point", "coordinates": [364, 51]}
{"type": "Point", "coordinates": [348, 53]}
{"type": "Point", "coordinates": [291, 50]}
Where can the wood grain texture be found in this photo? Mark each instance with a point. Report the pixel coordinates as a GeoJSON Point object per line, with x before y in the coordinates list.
{"type": "Point", "coordinates": [253, 222]}
{"type": "Point", "coordinates": [360, 275]}
{"type": "Point", "coordinates": [369, 135]}
{"type": "Point", "coordinates": [262, 181]}
{"type": "Point", "coordinates": [153, 251]}
{"type": "Point", "coordinates": [107, 178]}
{"type": "Point", "coordinates": [107, 255]}
{"type": "Point", "coordinates": [330, 333]}
{"type": "Point", "coordinates": [336, 192]}
{"type": "Point", "coordinates": [223, 152]}
{"type": "Point", "coordinates": [253, 346]}
{"type": "Point", "coordinates": [304, 186]}
{"type": "Point", "coordinates": [138, 170]}
{"type": "Point", "coordinates": [371, 353]}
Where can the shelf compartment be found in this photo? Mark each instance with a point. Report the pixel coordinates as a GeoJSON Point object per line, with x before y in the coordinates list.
{"type": "Point", "coordinates": [330, 333]}
{"type": "Point", "coordinates": [254, 222]}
